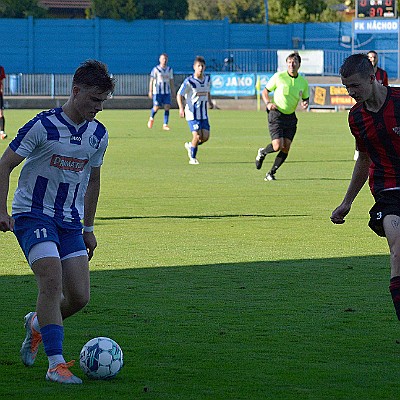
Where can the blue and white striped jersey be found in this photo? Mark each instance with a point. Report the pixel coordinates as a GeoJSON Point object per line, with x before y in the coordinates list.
{"type": "Point", "coordinates": [59, 156]}
{"type": "Point", "coordinates": [195, 92]}
{"type": "Point", "coordinates": [161, 79]}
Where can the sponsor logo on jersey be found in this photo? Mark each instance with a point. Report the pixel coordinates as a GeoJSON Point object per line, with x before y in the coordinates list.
{"type": "Point", "coordinates": [94, 141]}
{"type": "Point", "coordinates": [68, 163]}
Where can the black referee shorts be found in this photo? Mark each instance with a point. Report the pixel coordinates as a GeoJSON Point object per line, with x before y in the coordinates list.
{"type": "Point", "coordinates": [387, 202]}
{"type": "Point", "coordinates": [282, 125]}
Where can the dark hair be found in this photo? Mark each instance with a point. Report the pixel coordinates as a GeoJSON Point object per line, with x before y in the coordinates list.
{"type": "Point", "coordinates": [357, 64]}
{"type": "Point", "coordinates": [294, 55]}
{"type": "Point", "coordinates": [94, 73]}
{"type": "Point", "coordinates": [200, 59]}
{"type": "Point", "coordinates": [373, 51]}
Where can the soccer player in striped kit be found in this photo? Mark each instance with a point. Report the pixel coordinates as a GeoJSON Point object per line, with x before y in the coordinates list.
{"type": "Point", "coordinates": [374, 122]}
{"type": "Point", "coordinates": [58, 186]}
{"type": "Point", "coordinates": [161, 87]}
{"type": "Point", "coordinates": [193, 100]}
{"type": "Point", "coordinates": [380, 75]}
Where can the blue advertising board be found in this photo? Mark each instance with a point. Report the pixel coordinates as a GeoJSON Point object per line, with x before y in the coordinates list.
{"type": "Point", "coordinates": [233, 84]}
{"type": "Point", "coordinates": [264, 78]}
{"type": "Point", "coordinates": [237, 84]}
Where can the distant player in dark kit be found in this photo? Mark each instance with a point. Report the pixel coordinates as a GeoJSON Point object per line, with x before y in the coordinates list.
{"type": "Point", "coordinates": [380, 74]}
{"type": "Point", "coordinates": [3, 135]}
{"type": "Point", "coordinates": [289, 88]}
{"type": "Point", "coordinates": [374, 122]}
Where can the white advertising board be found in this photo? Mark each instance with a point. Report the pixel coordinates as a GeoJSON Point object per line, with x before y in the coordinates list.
{"type": "Point", "coordinates": [312, 61]}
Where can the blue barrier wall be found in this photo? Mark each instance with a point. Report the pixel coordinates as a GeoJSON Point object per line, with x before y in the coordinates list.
{"type": "Point", "coordinates": [59, 45]}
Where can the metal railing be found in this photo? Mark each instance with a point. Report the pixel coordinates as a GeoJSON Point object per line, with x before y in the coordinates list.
{"type": "Point", "coordinates": [58, 85]}
{"type": "Point", "coordinates": [249, 61]}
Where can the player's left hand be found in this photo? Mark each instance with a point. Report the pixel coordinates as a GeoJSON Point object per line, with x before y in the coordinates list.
{"type": "Point", "coordinates": [339, 213]}
{"type": "Point", "coordinates": [91, 243]}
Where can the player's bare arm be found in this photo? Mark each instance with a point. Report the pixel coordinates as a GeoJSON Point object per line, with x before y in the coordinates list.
{"type": "Point", "coordinates": [91, 199]}
{"type": "Point", "coordinates": [210, 102]}
{"type": "Point", "coordinates": [151, 88]}
{"type": "Point", "coordinates": [8, 162]}
{"type": "Point", "coordinates": [268, 104]}
{"type": "Point", "coordinates": [180, 101]}
{"type": "Point", "coordinates": [358, 179]}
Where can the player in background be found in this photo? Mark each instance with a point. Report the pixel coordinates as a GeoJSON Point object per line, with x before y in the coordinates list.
{"type": "Point", "coordinates": [380, 75]}
{"type": "Point", "coordinates": [3, 135]}
{"type": "Point", "coordinates": [289, 88]}
{"type": "Point", "coordinates": [374, 123]}
{"type": "Point", "coordinates": [58, 186]}
{"type": "Point", "coordinates": [193, 100]}
{"type": "Point", "coordinates": [161, 87]}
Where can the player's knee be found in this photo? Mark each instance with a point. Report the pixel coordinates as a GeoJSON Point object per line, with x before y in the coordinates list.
{"type": "Point", "coordinates": [277, 146]}
{"type": "Point", "coordinates": [80, 301]}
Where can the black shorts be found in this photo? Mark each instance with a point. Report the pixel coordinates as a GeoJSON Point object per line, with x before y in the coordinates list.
{"type": "Point", "coordinates": [387, 202]}
{"type": "Point", "coordinates": [1, 101]}
{"type": "Point", "coordinates": [282, 125]}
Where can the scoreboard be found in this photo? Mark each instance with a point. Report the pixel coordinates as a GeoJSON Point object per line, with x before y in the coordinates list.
{"type": "Point", "coordinates": [376, 8]}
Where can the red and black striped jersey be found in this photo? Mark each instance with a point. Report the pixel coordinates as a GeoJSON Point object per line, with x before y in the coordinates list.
{"type": "Point", "coordinates": [378, 134]}
{"type": "Point", "coordinates": [382, 76]}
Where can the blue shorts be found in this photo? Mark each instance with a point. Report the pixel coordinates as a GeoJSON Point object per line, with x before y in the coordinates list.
{"type": "Point", "coordinates": [161, 99]}
{"type": "Point", "coordinates": [198, 124]}
{"type": "Point", "coordinates": [31, 229]}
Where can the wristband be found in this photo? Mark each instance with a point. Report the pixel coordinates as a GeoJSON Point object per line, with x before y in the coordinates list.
{"type": "Point", "coordinates": [88, 228]}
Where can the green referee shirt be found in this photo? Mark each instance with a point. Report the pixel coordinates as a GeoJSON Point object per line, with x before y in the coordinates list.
{"type": "Point", "coordinates": [287, 91]}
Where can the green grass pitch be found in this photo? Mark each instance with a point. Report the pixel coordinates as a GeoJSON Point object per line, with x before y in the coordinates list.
{"type": "Point", "coordinates": [216, 284]}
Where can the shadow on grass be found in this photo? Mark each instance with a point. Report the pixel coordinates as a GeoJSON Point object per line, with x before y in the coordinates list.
{"type": "Point", "coordinates": [202, 216]}
{"type": "Point", "coordinates": [301, 327]}
{"type": "Point", "coordinates": [286, 162]}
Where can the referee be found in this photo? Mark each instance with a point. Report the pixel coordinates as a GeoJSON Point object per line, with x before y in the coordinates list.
{"type": "Point", "coordinates": [289, 88]}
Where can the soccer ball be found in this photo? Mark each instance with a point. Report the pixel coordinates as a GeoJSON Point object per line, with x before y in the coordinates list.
{"type": "Point", "coordinates": [101, 358]}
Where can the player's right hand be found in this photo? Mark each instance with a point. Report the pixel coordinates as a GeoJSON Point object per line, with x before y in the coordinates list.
{"type": "Point", "coordinates": [6, 222]}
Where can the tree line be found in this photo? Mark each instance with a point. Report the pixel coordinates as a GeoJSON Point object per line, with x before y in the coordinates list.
{"type": "Point", "coordinates": [237, 11]}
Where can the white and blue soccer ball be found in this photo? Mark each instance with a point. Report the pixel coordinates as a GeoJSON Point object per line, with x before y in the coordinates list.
{"type": "Point", "coordinates": [101, 358]}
